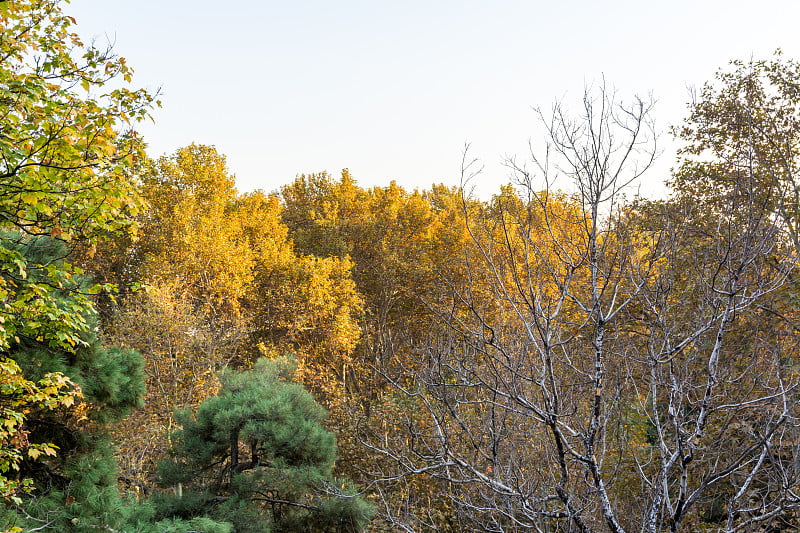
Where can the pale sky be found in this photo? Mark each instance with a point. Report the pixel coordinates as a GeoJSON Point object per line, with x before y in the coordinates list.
{"type": "Point", "coordinates": [394, 90]}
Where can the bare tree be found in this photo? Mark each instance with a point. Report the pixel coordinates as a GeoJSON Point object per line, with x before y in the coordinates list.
{"type": "Point", "coordinates": [606, 367]}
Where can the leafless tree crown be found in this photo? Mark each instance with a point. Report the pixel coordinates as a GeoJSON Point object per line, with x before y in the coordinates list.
{"type": "Point", "coordinates": [609, 365]}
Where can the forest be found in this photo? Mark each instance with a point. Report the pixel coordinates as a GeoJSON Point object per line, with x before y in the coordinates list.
{"type": "Point", "coordinates": [565, 355]}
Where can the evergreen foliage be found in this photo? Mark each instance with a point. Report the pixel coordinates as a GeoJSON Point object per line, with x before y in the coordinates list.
{"type": "Point", "coordinates": [77, 489]}
{"type": "Point", "coordinates": [258, 456]}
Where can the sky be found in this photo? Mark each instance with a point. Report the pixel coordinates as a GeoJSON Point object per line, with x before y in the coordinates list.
{"type": "Point", "coordinates": [396, 90]}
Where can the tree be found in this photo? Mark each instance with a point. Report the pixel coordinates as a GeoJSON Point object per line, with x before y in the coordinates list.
{"type": "Point", "coordinates": [195, 261]}
{"type": "Point", "coordinates": [400, 244]}
{"type": "Point", "coordinates": [65, 143]}
{"type": "Point", "coordinates": [231, 256]}
{"type": "Point", "coordinates": [182, 352]}
{"type": "Point", "coordinates": [745, 127]}
{"type": "Point", "coordinates": [223, 286]}
{"type": "Point", "coordinates": [194, 232]}
{"type": "Point", "coordinates": [607, 366]}
{"type": "Point", "coordinates": [63, 158]}
{"type": "Point", "coordinates": [79, 485]}
{"type": "Point", "coordinates": [283, 482]}
{"type": "Point", "coordinates": [21, 397]}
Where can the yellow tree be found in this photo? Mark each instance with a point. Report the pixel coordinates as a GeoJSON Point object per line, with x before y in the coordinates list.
{"type": "Point", "coordinates": [407, 252]}
{"type": "Point", "coordinates": [191, 232]}
{"type": "Point", "coordinates": [223, 285]}
{"type": "Point", "coordinates": [400, 244]}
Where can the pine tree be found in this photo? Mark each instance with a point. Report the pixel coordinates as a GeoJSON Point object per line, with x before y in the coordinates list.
{"type": "Point", "coordinates": [77, 488]}
{"type": "Point", "coordinates": [257, 455]}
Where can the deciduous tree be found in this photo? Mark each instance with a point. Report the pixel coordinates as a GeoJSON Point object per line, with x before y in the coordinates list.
{"type": "Point", "coordinates": [594, 374]}
{"type": "Point", "coordinates": [66, 140]}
